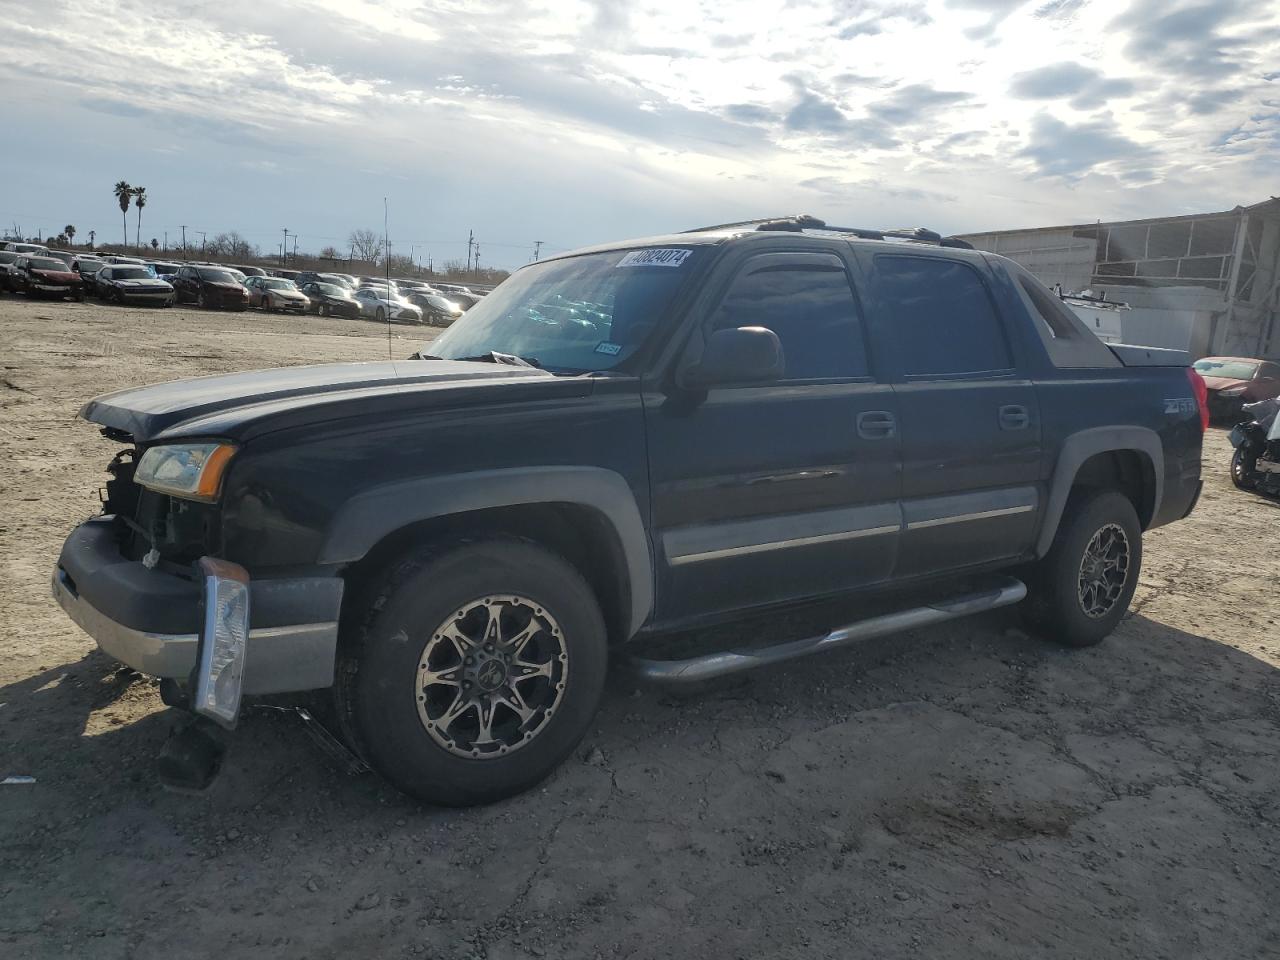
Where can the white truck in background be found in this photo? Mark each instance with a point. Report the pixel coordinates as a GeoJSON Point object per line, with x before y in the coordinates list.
{"type": "Point", "coordinates": [1100, 315]}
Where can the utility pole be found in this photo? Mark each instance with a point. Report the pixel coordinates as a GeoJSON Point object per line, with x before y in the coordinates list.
{"type": "Point", "coordinates": [470, 240]}
{"type": "Point", "coordinates": [184, 241]}
{"type": "Point", "coordinates": [477, 270]}
{"type": "Point", "coordinates": [166, 241]}
{"type": "Point", "coordinates": [295, 247]}
{"type": "Point", "coordinates": [284, 248]}
{"type": "Point", "coordinates": [201, 232]}
{"type": "Point", "coordinates": [537, 249]}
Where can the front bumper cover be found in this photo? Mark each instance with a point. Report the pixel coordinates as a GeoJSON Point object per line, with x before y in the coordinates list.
{"type": "Point", "coordinates": [150, 620]}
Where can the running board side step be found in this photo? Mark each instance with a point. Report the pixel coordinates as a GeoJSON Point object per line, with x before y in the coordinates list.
{"type": "Point", "coordinates": [1003, 593]}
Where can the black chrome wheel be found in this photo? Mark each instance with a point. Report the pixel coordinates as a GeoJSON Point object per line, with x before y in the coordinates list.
{"type": "Point", "coordinates": [491, 676]}
{"type": "Point", "coordinates": [1104, 571]}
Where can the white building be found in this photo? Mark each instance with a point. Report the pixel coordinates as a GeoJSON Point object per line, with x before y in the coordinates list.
{"type": "Point", "coordinates": [1208, 283]}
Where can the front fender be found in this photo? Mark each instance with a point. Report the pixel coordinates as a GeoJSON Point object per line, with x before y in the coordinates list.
{"type": "Point", "coordinates": [368, 517]}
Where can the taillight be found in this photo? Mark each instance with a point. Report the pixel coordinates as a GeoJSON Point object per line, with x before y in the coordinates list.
{"type": "Point", "coordinates": [1202, 396]}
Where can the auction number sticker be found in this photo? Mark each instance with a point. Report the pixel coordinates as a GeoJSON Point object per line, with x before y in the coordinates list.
{"type": "Point", "coordinates": [664, 257]}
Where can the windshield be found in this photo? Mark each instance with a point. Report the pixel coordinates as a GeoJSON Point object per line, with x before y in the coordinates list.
{"type": "Point", "coordinates": [132, 273]}
{"type": "Point", "coordinates": [1231, 369]}
{"type": "Point", "coordinates": [164, 267]}
{"type": "Point", "coordinates": [48, 263]}
{"type": "Point", "coordinates": [272, 284]}
{"type": "Point", "coordinates": [574, 315]}
{"type": "Point", "coordinates": [217, 276]}
{"type": "Point", "coordinates": [7, 256]}
{"type": "Point", "coordinates": [330, 289]}
{"type": "Point", "coordinates": [440, 303]}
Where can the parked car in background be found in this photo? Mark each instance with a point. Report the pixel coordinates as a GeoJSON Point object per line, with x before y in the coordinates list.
{"type": "Point", "coordinates": [7, 259]}
{"type": "Point", "coordinates": [126, 283]}
{"type": "Point", "coordinates": [407, 285]}
{"type": "Point", "coordinates": [1235, 381]}
{"type": "Point", "coordinates": [465, 300]}
{"type": "Point", "coordinates": [451, 288]}
{"type": "Point", "coordinates": [276, 293]}
{"type": "Point", "coordinates": [331, 299]}
{"type": "Point", "coordinates": [250, 271]}
{"type": "Point", "coordinates": [39, 276]}
{"type": "Point", "coordinates": [17, 246]}
{"type": "Point", "coordinates": [380, 304]}
{"type": "Point", "coordinates": [285, 274]}
{"type": "Point", "coordinates": [314, 276]}
{"type": "Point", "coordinates": [437, 310]}
{"type": "Point", "coordinates": [210, 286]}
{"type": "Point", "coordinates": [116, 258]}
{"type": "Point", "coordinates": [164, 269]}
{"type": "Point", "coordinates": [66, 256]}
{"type": "Point", "coordinates": [88, 265]}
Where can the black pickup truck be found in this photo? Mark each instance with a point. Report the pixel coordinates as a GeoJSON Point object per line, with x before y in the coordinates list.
{"type": "Point", "coordinates": [621, 442]}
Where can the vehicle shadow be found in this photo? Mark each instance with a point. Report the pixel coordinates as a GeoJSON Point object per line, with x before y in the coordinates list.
{"type": "Point", "coordinates": [966, 764]}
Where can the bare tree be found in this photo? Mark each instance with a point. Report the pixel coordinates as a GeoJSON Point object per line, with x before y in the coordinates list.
{"type": "Point", "coordinates": [233, 246]}
{"type": "Point", "coordinates": [366, 244]}
{"type": "Point", "coordinates": [331, 253]}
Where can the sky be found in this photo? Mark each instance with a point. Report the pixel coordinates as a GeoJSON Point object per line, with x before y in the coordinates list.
{"type": "Point", "coordinates": [581, 121]}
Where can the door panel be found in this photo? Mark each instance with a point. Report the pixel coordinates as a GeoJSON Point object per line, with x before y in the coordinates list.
{"type": "Point", "coordinates": [773, 492]}
{"type": "Point", "coordinates": [970, 423]}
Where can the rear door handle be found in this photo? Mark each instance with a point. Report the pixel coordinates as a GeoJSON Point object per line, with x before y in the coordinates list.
{"type": "Point", "coordinates": [877, 425]}
{"type": "Point", "coordinates": [1014, 417]}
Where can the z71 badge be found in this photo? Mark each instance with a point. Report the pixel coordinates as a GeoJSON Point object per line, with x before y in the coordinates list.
{"type": "Point", "coordinates": [1180, 405]}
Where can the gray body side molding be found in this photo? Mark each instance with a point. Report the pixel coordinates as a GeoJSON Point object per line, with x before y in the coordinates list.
{"type": "Point", "coordinates": [1078, 448]}
{"type": "Point", "coordinates": [369, 516]}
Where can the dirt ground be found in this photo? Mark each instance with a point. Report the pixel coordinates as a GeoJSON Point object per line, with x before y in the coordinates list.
{"type": "Point", "coordinates": [958, 792]}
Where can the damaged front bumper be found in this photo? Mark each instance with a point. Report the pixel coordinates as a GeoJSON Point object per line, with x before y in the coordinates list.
{"type": "Point", "coordinates": [152, 620]}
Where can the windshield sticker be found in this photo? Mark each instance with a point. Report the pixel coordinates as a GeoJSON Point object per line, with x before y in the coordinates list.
{"type": "Point", "coordinates": [612, 349]}
{"type": "Point", "coordinates": [654, 258]}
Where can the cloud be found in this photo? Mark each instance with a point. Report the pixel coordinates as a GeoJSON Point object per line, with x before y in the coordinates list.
{"type": "Point", "coordinates": [1184, 38]}
{"type": "Point", "coordinates": [749, 113]}
{"type": "Point", "coordinates": [1085, 87]}
{"type": "Point", "coordinates": [914, 103]}
{"type": "Point", "coordinates": [1059, 149]}
{"type": "Point", "coordinates": [813, 114]}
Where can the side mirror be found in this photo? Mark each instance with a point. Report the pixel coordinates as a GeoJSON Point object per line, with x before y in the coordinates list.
{"type": "Point", "coordinates": [738, 355]}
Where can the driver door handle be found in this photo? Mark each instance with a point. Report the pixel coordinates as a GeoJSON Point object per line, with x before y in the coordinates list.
{"type": "Point", "coordinates": [1014, 417]}
{"type": "Point", "coordinates": [877, 425]}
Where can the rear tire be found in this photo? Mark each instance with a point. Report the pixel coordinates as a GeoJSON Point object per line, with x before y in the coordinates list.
{"type": "Point", "coordinates": [1079, 592]}
{"type": "Point", "coordinates": [430, 740]}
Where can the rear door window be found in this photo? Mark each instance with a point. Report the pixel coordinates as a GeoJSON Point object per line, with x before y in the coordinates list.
{"type": "Point", "coordinates": [942, 318]}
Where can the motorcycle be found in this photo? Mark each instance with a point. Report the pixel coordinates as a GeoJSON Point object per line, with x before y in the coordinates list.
{"type": "Point", "coordinates": [1255, 465]}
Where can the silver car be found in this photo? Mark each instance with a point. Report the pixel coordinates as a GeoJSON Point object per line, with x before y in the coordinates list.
{"type": "Point", "coordinates": [382, 305]}
{"type": "Point", "coordinates": [275, 293]}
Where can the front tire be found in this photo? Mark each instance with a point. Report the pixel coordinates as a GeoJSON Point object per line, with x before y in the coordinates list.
{"type": "Point", "coordinates": [477, 670]}
{"type": "Point", "coordinates": [381, 315]}
{"type": "Point", "coordinates": [1081, 589]}
{"type": "Point", "coordinates": [1242, 468]}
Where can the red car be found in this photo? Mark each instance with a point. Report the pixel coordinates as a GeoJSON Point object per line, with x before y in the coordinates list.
{"type": "Point", "coordinates": [45, 277]}
{"type": "Point", "coordinates": [1234, 381]}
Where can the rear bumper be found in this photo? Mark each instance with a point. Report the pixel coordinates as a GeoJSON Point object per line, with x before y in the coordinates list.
{"type": "Point", "coordinates": [150, 620]}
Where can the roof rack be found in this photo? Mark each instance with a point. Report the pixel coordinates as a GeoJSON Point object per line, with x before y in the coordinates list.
{"type": "Point", "coordinates": [803, 221]}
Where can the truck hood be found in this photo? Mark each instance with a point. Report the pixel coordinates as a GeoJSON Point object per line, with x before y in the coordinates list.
{"type": "Point", "coordinates": [239, 405]}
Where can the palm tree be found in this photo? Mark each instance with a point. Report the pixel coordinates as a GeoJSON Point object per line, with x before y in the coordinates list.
{"type": "Point", "coordinates": [139, 201]}
{"type": "Point", "coordinates": [124, 193]}
{"type": "Point", "coordinates": [155, 244]}
{"type": "Point", "coordinates": [70, 231]}
{"type": "Point", "coordinates": [93, 235]}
